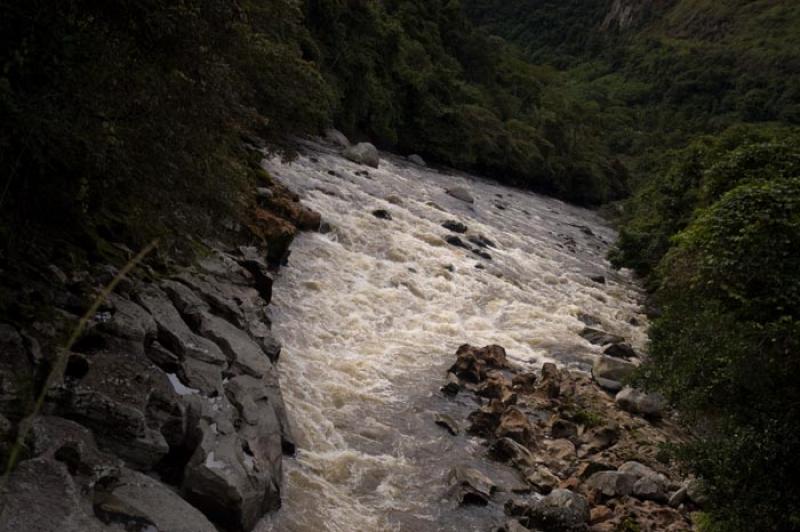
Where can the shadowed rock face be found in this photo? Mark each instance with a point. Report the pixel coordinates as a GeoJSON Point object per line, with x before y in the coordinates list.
{"type": "Point", "coordinates": [169, 416]}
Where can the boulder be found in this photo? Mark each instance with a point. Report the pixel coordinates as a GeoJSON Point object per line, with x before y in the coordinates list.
{"type": "Point", "coordinates": [514, 424]}
{"type": "Point", "coordinates": [129, 322]}
{"type": "Point", "coordinates": [508, 450]}
{"type": "Point", "coordinates": [41, 496]}
{"type": "Point", "coordinates": [455, 241]}
{"type": "Point", "coordinates": [447, 423]}
{"type": "Point", "coordinates": [461, 193]}
{"type": "Point", "coordinates": [260, 405]}
{"type": "Point", "coordinates": [497, 386]}
{"type": "Point", "coordinates": [452, 386]}
{"type": "Point", "coordinates": [245, 355]}
{"type": "Point", "coordinates": [472, 363]}
{"type": "Point", "coordinates": [337, 138]}
{"type": "Point", "coordinates": [416, 159]}
{"type": "Point", "coordinates": [363, 153]}
{"type": "Point", "coordinates": [73, 444]}
{"type": "Point", "coordinates": [455, 226]}
{"type": "Point", "coordinates": [382, 214]}
{"type": "Point", "coordinates": [599, 439]}
{"type": "Point", "coordinates": [610, 372]}
{"type": "Point", "coordinates": [174, 333]}
{"type": "Point", "coordinates": [470, 486]}
{"type": "Point", "coordinates": [221, 477]}
{"type": "Point", "coordinates": [139, 502]}
{"type": "Point", "coordinates": [481, 241]}
{"type": "Point", "coordinates": [485, 420]}
{"type": "Point", "coordinates": [610, 484]}
{"type": "Point", "coordinates": [542, 480]}
{"type": "Point", "coordinates": [560, 511]}
{"type": "Point", "coordinates": [638, 402]}
{"type": "Point", "coordinates": [598, 337]}
{"type": "Point", "coordinates": [620, 350]}
{"type": "Point", "coordinates": [129, 404]}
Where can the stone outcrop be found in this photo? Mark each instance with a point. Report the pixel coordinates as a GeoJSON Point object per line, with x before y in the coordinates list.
{"type": "Point", "coordinates": [169, 415]}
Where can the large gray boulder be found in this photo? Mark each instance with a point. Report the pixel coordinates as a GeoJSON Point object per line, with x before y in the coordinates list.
{"type": "Point", "coordinates": [461, 193]}
{"type": "Point", "coordinates": [174, 333]}
{"type": "Point", "coordinates": [610, 372]}
{"type": "Point", "coordinates": [41, 496]}
{"type": "Point", "coordinates": [139, 501]}
{"type": "Point", "coordinates": [127, 402]}
{"type": "Point", "coordinates": [610, 484]}
{"type": "Point", "coordinates": [650, 485]}
{"type": "Point", "coordinates": [363, 153]}
{"type": "Point", "coordinates": [245, 355]}
{"type": "Point", "coordinates": [223, 477]}
{"type": "Point", "coordinates": [638, 402]}
{"type": "Point", "coordinates": [560, 511]}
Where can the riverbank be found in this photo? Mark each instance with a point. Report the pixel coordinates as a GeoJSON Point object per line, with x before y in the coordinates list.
{"type": "Point", "coordinates": [168, 414]}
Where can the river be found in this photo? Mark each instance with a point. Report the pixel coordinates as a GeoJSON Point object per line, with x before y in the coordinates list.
{"type": "Point", "coordinates": [371, 312]}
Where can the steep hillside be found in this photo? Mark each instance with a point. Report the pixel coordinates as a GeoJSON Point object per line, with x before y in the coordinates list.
{"type": "Point", "coordinates": [702, 100]}
{"type": "Point", "coordinates": [662, 71]}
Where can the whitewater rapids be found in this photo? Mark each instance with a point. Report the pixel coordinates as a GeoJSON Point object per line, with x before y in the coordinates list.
{"type": "Point", "coordinates": [371, 312]}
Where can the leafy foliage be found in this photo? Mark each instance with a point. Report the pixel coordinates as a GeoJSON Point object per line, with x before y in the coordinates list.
{"type": "Point", "coordinates": [721, 249]}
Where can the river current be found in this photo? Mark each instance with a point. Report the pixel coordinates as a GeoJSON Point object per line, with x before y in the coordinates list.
{"type": "Point", "coordinates": [371, 312]}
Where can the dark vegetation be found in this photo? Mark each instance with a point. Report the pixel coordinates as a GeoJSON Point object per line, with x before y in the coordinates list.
{"type": "Point", "coordinates": [103, 103]}
{"type": "Point", "coordinates": [123, 121]}
{"type": "Point", "coordinates": [701, 101]}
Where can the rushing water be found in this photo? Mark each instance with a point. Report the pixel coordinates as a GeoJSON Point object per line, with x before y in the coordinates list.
{"type": "Point", "coordinates": [370, 315]}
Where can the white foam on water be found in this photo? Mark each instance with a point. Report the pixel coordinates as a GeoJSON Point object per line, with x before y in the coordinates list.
{"type": "Point", "coordinates": [371, 314]}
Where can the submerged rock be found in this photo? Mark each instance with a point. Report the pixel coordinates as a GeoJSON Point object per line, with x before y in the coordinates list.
{"type": "Point", "coordinates": [363, 153]}
{"type": "Point", "coordinates": [455, 226]}
{"type": "Point", "coordinates": [382, 214]}
{"type": "Point", "coordinates": [461, 193]}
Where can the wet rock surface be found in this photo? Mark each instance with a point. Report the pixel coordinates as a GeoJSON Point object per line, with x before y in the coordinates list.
{"type": "Point", "coordinates": [169, 416]}
{"type": "Point", "coordinates": [589, 464]}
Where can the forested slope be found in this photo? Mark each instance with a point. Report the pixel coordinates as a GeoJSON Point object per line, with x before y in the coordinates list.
{"type": "Point", "coordinates": [103, 102]}
{"type": "Point", "coordinates": [701, 100]}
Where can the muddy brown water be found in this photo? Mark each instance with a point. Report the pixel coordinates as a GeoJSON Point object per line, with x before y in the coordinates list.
{"type": "Point", "coordinates": [370, 315]}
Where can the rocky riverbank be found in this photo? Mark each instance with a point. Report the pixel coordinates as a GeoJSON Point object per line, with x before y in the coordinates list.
{"type": "Point", "coordinates": [589, 454]}
{"type": "Point", "coordinates": [169, 414]}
